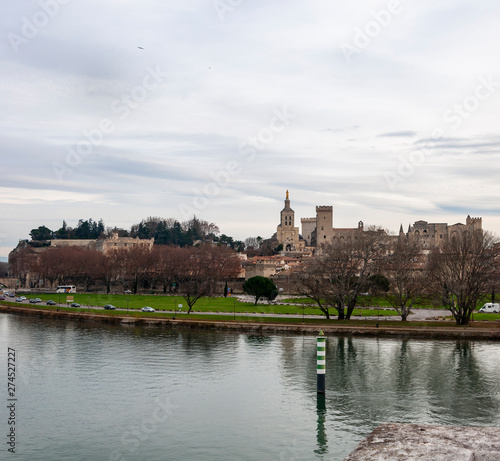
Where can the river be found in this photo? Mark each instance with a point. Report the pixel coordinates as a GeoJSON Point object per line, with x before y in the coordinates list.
{"type": "Point", "coordinates": [96, 392]}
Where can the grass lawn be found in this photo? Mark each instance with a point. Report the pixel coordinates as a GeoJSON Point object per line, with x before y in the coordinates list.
{"type": "Point", "coordinates": [245, 318]}
{"type": "Point", "coordinates": [373, 301]}
{"type": "Point", "coordinates": [206, 304]}
{"type": "Point", "coordinates": [215, 304]}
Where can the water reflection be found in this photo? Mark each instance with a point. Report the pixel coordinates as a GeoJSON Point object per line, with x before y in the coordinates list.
{"type": "Point", "coordinates": [258, 340]}
{"type": "Point", "coordinates": [370, 381]}
{"type": "Point", "coordinates": [321, 436]}
{"type": "Point", "coordinates": [237, 395]}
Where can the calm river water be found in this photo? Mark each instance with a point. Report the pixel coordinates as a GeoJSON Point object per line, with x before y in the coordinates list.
{"type": "Point", "coordinates": [121, 393]}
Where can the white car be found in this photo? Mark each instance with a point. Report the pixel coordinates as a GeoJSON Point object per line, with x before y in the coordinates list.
{"type": "Point", "coordinates": [147, 309]}
{"type": "Point", "coordinates": [490, 308]}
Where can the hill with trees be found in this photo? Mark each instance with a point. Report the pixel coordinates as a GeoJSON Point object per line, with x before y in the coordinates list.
{"type": "Point", "coordinates": [164, 231]}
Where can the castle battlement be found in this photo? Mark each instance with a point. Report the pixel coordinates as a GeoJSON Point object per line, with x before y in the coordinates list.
{"type": "Point", "coordinates": [473, 221]}
{"type": "Point", "coordinates": [308, 220]}
{"type": "Point", "coordinates": [324, 208]}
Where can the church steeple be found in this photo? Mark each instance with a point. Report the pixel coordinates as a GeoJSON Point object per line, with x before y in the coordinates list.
{"type": "Point", "coordinates": [287, 214]}
{"type": "Point", "coordinates": [287, 234]}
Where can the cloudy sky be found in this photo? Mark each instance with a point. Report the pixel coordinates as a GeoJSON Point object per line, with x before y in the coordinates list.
{"type": "Point", "coordinates": [120, 110]}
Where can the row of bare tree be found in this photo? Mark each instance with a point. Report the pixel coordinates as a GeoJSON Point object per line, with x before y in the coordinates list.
{"type": "Point", "coordinates": [193, 271]}
{"type": "Point", "coordinates": [457, 275]}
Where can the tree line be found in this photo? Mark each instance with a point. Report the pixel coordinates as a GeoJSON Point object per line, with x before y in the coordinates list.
{"type": "Point", "coordinates": [164, 231]}
{"type": "Point", "coordinates": [456, 276]}
{"type": "Point", "coordinates": [191, 271]}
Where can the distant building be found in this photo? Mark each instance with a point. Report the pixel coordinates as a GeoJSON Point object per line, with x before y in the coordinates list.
{"type": "Point", "coordinates": [320, 230]}
{"type": "Point", "coordinates": [90, 244]}
{"type": "Point", "coordinates": [315, 231]}
{"type": "Point", "coordinates": [435, 235]}
{"type": "Point", "coordinates": [270, 266]}
{"type": "Point", "coordinates": [126, 243]}
{"type": "Point", "coordinates": [286, 233]}
{"type": "Point", "coordinates": [104, 245]}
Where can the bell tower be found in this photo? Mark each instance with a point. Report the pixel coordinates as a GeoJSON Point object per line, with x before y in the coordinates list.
{"type": "Point", "coordinates": [286, 233]}
{"type": "Point", "coordinates": [287, 215]}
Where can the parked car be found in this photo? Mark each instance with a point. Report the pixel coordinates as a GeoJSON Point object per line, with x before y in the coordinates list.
{"type": "Point", "coordinates": [10, 295]}
{"type": "Point", "coordinates": [2, 298]}
{"type": "Point", "coordinates": [19, 300]}
{"type": "Point", "coordinates": [51, 303]}
{"type": "Point", "coordinates": [38, 300]}
{"type": "Point", "coordinates": [75, 305]}
{"type": "Point", "coordinates": [490, 308]}
{"type": "Point", "coordinates": [23, 298]}
{"type": "Point", "coordinates": [109, 307]}
{"type": "Point", "coordinates": [32, 301]}
{"type": "Point", "coordinates": [147, 309]}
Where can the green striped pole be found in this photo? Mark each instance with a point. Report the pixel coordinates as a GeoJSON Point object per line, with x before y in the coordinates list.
{"type": "Point", "coordinates": [321, 362]}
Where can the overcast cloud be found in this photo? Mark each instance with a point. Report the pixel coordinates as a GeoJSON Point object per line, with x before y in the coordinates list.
{"type": "Point", "coordinates": [120, 110]}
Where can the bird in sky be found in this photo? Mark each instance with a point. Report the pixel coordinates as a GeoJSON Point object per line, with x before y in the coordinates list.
{"type": "Point", "coordinates": [140, 47]}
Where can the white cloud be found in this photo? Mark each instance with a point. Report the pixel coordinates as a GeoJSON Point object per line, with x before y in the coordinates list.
{"type": "Point", "coordinates": [353, 121]}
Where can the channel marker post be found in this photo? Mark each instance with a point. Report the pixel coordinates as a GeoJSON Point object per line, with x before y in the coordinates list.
{"type": "Point", "coordinates": [321, 362]}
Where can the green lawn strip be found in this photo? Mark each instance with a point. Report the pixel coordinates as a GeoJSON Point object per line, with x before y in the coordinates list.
{"type": "Point", "coordinates": [206, 304]}
{"type": "Point", "coordinates": [482, 317]}
{"type": "Point", "coordinates": [380, 301]}
{"type": "Point", "coordinates": [210, 304]}
{"type": "Point", "coordinates": [480, 320]}
{"type": "Point", "coordinates": [363, 301]}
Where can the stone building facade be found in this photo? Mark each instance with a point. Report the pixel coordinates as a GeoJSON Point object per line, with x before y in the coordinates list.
{"type": "Point", "coordinates": [315, 231]}
{"type": "Point", "coordinates": [434, 235]}
{"type": "Point", "coordinates": [286, 233]}
{"type": "Point", "coordinates": [104, 245]}
{"type": "Point", "coordinates": [320, 230]}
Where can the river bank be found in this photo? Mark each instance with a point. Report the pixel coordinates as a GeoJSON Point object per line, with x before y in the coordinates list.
{"type": "Point", "coordinates": [489, 330]}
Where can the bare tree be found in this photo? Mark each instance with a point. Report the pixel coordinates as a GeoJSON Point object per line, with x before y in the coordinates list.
{"type": "Point", "coordinates": [313, 284]}
{"type": "Point", "coordinates": [165, 260]}
{"type": "Point", "coordinates": [405, 274]}
{"type": "Point", "coordinates": [199, 268]}
{"type": "Point", "coordinates": [342, 271]}
{"type": "Point", "coordinates": [21, 263]}
{"type": "Point", "coordinates": [137, 265]}
{"type": "Point", "coordinates": [350, 263]}
{"type": "Point", "coordinates": [461, 272]}
{"type": "Point", "coordinates": [49, 265]}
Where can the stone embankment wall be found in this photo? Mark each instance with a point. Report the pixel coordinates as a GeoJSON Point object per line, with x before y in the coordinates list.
{"type": "Point", "coordinates": [490, 333]}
